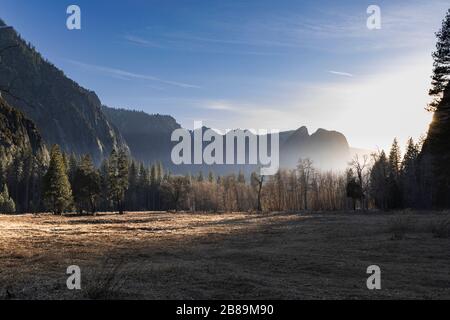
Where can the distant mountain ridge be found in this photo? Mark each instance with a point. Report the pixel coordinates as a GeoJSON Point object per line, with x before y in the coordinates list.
{"type": "Point", "coordinates": [64, 112]}
{"type": "Point", "coordinates": [148, 136]}
{"type": "Point", "coordinates": [149, 139]}
{"type": "Point", "coordinates": [327, 149]}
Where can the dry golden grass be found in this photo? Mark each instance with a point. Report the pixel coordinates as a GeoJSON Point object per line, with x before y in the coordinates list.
{"type": "Point", "coordinates": [223, 256]}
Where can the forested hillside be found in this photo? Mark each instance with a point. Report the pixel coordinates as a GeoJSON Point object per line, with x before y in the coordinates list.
{"type": "Point", "coordinates": [17, 134]}
{"type": "Point", "coordinates": [65, 113]}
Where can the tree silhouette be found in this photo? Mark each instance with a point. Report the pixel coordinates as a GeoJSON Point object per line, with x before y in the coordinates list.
{"type": "Point", "coordinates": [86, 185]}
{"type": "Point", "coordinates": [57, 189]}
{"type": "Point", "coordinates": [441, 65]}
{"type": "Point", "coordinates": [118, 177]}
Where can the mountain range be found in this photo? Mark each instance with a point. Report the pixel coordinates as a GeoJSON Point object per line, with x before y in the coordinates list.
{"type": "Point", "coordinates": [56, 110]}
{"type": "Point", "coordinates": [149, 140]}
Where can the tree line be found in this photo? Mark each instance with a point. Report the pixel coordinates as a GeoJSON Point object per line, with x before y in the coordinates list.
{"type": "Point", "coordinates": [32, 183]}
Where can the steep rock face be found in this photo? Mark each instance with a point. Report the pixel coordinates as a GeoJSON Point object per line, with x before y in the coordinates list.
{"type": "Point", "coordinates": [17, 133]}
{"type": "Point", "coordinates": [435, 157]}
{"type": "Point", "coordinates": [297, 137]}
{"type": "Point", "coordinates": [148, 136]}
{"type": "Point", "coordinates": [327, 149]}
{"type": "Point", "coordinates": [65, 113]}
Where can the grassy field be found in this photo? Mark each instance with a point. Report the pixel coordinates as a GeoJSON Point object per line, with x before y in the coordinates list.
{"type": "Point", "coordinates": [226, 256]}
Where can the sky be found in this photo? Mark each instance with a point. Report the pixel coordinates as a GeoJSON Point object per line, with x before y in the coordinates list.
{"type": "Point", "coordinates": [255, 64]}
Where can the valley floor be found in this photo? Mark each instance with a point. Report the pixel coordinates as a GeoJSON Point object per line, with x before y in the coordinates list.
{"type": "Point", "coordinates": [225, 256]}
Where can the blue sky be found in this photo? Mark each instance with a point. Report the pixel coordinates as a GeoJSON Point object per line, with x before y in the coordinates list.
{"type": "Point", "coordinates": [249, 64]}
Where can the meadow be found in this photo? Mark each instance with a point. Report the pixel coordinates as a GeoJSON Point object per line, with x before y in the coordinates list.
{"type": "Point", "coordinates": [164, 255]}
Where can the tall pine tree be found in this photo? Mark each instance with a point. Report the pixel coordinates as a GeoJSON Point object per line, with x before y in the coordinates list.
{"type": "Point", "coordinates": [409, 177]}
{"type": "Point", "coordinates": [435, 155]}
{"type": "Point", "coordinates": [394, 187]}
{"type": "Point", "coordinates": [57, 189]}
{"type": "Point", "coordinates": [86, 185]}
{"type": "Point", "coordinates": [118, 177]}
{"type": "Point", "coordinates": [441, 65]}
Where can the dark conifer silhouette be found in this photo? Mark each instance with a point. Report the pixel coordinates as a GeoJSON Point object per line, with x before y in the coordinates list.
{"type": "Point", "coordinates": [57, 189]}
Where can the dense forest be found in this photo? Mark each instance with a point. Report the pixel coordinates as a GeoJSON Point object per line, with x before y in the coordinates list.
{"type": "Point", "coordinates": [68, 182]}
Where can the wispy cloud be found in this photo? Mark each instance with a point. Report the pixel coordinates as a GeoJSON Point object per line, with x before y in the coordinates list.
{"type": "Point", "coordinates": [403, 27]}
{"type": "Point", "coordinates": [126, 75]}
{"type": "Point", "coordinates": [192, 43]}
{"type": "Point", "coordinates": [331, 30]}
{"type": "Point", "coordinates": [339, 73]}
{"type": "Point", "coordinates": [142, 42]}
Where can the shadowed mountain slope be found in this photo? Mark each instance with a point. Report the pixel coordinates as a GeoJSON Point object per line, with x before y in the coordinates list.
{"type": "Point", "coordinates": [65, 113]}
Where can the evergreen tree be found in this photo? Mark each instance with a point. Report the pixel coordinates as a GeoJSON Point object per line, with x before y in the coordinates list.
{"type": "Point", "coordinates": [7, 204]}
{"type": "Point", "coordinates": [118, 178]}
{"type": "Point", "coordinates": [57, 190]}
{"type": "Point", "coordinates": [395, 160]}
{"type": "Point", "coordinates": [154, 187]}
{"type": "Point", "coordinates": [40, 164]}
{"type": "Point", "coordinates": [144, 188]}
{"type": "Point", "coordinates": [86, 185]}
{"type": "Point", "coordinates": [410, 175]}
{"type": "Point", "coordinates": [132, 190]}
{"type": "Point", "coordinates": [394, 183]}
{"type": "Point", "coordinates": [104, 185]}
{"type": "Point", "coordinates": [66, 163]}
{"type": "Point", "coordinates": [153, 174]}
{"type": "Point", "coordinates": [72, 168]}
{"type": "Point", "coordinates": [435, 155]}
{"type": "Point", "coordinates": [441, 65]}
{"type": "Point", "coordinates": [3, 167]}
{"type": "Point", "coordinates": [411, 155]}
